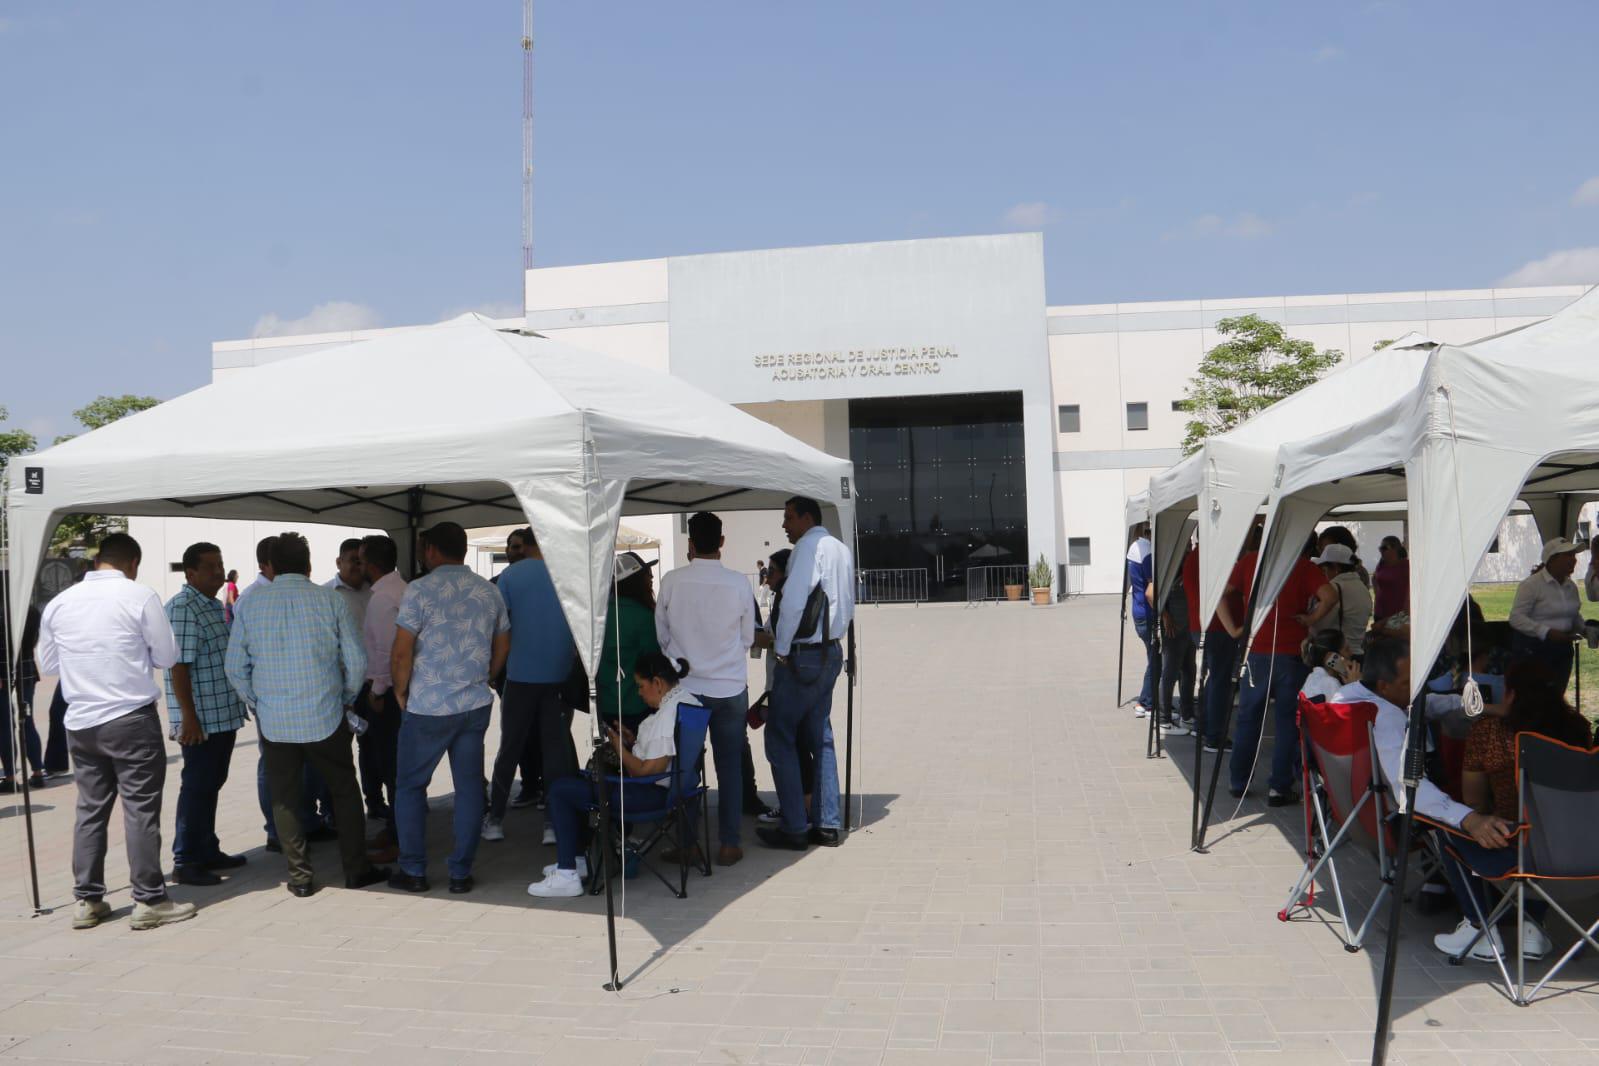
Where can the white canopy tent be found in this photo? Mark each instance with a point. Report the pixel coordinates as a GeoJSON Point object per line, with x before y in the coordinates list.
{"type": "Point", "coordinates": [1225, 484]}
{"type": "Point", "coordinates": [1515, 415]}
{"type": "Point", "coordinates": [457, 421]}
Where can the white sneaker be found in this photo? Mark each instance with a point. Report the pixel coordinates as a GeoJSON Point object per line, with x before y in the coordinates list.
{"type": "Point", "coordinates": [549, 834]}
{"type": "Point", "coordinates": [562, 884]}
{"type": "Point", "coordinates": [1173, 729]}
{"type": "Point", "coordinates": [492, 829]}
{"type": "Point", "coordinates": [90, 913]}
{"type": "Point", "coordinates": [1534, 941]}
{"type": "Point", "coordinates": [1140, 711]}
{"type": "Point", "coordinates": [1465, 932]}
{"type": "Point", "coordinates": [150, 915]}
{"type": "Point", "coordinates": [770, 817]}
{"type": "Point", "coordinates": [582, 868]}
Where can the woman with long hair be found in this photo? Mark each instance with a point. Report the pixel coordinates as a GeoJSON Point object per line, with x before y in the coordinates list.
{"type": "Point", "coordinates": [631, 628]}
{"type": "Point", "coordinates": [1533, 703]}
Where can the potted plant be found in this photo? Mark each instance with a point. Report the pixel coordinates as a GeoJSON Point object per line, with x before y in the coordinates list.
{"type": "Point", "coordinates": [1013, 593]}
{"type": "Point", "coordinates": [1042, 580]}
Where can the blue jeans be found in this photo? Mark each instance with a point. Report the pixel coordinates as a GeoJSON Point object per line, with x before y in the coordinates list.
{"type": "Point", "coordinates": [1146, 694]}
{"type": "Point", "coordinates": [205, 771]}
{"type": "Point", "coordinates": [801, 706]}
{"type": "Point", "coordinates": [1279, 679]}
{"type": "Point", "coordinates": [728, 714]}
{"type": "Point", "coordinates": [1485, 862]}
{"type": "Point", "coordinates": [1221, 661]}
{"type": "Point", "coordinates": [567, 800]}
{"type": "Point", "coordinates": [425, 739]}
{"type": "Point", "coordinates": [30, 735]}
{"type": "Point", "coordinates": [309, 821]}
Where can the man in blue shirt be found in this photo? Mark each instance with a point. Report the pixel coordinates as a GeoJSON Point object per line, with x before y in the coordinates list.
{"type": "Point", "coordinates": [297, 659]}
{"type": "Point", "coordinates": [205, 714]}
{"type": "Point", "coordinates": [451, 636]}
{"type": "Point", "coordinates": [541, 660]}
{"type": "Point", "coordinates": [1140, 579]}
{"type": "Point", "coordinates": [806, 646]}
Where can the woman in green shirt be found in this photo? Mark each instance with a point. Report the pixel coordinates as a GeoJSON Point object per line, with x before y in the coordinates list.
{"type": "Point", "coordinates": [632, 622]}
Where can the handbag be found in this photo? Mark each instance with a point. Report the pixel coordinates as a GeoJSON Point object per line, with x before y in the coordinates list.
{"type": "Point", "coordinates": [755, 717]}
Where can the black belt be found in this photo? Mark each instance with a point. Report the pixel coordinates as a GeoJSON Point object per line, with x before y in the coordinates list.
{"type": "Point", "coordinates": [817, 645]}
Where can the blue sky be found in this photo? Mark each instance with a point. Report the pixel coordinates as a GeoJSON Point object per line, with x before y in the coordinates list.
{"type": "Point", "coordinates": [179, 173]}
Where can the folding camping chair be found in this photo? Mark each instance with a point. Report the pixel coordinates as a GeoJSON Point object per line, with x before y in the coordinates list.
{"type": "Point", "coordinates": [1558, 788]}
{"type": "Point", "coordinates": [1345, 798]}
{"type": "Point", "coordinates": [686, 775]}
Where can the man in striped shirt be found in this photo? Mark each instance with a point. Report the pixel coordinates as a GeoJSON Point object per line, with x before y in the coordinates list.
{"type": "Point", "coordinates": [297, 659]}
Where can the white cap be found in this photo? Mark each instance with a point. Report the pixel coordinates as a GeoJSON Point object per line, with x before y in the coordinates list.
{"type": "Point", "coordinates": [1559, 546]}
{"type": "Point", "coordinates": [1335, 553]}
{"type": "Point", "coordinates": [628, 564]}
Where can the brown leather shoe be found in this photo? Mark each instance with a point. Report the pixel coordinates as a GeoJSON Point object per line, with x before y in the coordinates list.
{"type": "Point", "coordinates": [383, 840]}
{"type": "Point", "coordinates": [379, 856]}
{"type": "Point", "coordinates": [729, 855]}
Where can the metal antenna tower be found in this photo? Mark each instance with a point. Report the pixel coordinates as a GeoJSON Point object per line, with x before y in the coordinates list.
{"type": "Point", "coordinates": [527, 144]}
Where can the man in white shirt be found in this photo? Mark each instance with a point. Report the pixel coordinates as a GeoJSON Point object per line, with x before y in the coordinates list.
{"type": "Point", "coordinates": [705, 613]}
{"type": "Point", "coordinates": [263, 565]}
{"type": "Point", "coordinates": [1488, 842]}
{"type": "Point", "coordinates": [104, 638]}
{"type": "Point", "coordinates": [1546, 617]}
{"type": "Point", "coordinates": [349, 580]}
{"type": "Point", "coordinates": [380, 744]}
{"type": "Point", "coordinates": [818, 606]}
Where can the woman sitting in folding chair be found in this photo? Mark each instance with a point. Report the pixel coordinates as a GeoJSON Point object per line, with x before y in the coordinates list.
{"type": "Point", "coordinates": [649, 752]}
{"type": "Point", "coordinates": [1532, 704]}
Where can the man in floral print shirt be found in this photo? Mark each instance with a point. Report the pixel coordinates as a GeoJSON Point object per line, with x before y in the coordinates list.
{"type": "Point", "coordinates": [451, 636]}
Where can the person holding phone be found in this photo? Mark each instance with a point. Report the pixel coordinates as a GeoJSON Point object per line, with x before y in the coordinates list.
{"type": "Point", "coordinates": [1331, 667]}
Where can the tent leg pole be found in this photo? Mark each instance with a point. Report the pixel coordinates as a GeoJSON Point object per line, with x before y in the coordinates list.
{"type": "Point", "coordinates": [1215, 769]}
{"type": "Point", "coordinates": [1156, 651]}
{"type": "Point", "coordinates": [606, 852]}
{"type": "Point", "coordinates": [1121, 641]}
{"type": "Point", "coordinates": [1200, 710]}
{"type": "Point", "coordinates": [19, 731]}
{"type": "Point", "coordinates": [1415, 767]}
{"type": "Point", "coordinates": [413, 512]}
{"type": "Point", "coordinates": [849, 728]}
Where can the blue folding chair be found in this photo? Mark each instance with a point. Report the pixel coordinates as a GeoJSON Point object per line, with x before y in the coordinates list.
{"type": "Point", "coordinates": [675, 821]}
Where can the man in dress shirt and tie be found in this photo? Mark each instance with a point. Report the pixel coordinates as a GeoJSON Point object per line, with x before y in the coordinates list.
{"type": "Point", "coordinates": [705, 613]}
{"type": "Point", "coordinates": [818, 605]}
{"type": "Point", "coordinates": [1546, 617]}
{"type": "Point", "coordinates": [104, 638]}
{"type": "Point", "coordinates": [205, 714]}
{"type": "Point", "coordinates": [298, 662]}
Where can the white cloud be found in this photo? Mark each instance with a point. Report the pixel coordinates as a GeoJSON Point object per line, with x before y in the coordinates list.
{"type": "Point", "coordinates": [492, 309]}
{"type": "Point", "coordinates": [1587, 193]}
{"type": "Point", "coordinates": [335, 316]}
{"type": "Point", "coordinates": [1327, 53]}
{"type": "Point", "coordinates": [1244, 226]}
{"type": "Point", "coordinates": [1034, 214]}
{"type": "Point", "coordinates": [1569, 266]}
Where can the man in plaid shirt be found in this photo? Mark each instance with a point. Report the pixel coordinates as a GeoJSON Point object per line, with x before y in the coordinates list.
{"type": "Point", "coordinates": [205, 714]}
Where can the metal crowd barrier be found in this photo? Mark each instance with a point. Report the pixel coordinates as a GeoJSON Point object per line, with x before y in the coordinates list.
{"type": "Point", "coordinates": [891, 586]}
{"type": "Point", "coordinates": [984, 583]}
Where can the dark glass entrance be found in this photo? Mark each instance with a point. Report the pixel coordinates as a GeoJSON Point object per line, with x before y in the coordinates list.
{"type": "Point", "coordinates": [941, 485]}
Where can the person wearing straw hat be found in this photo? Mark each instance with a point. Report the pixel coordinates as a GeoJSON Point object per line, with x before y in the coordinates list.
{"type": "Point", "coordinates": [1547, 615]}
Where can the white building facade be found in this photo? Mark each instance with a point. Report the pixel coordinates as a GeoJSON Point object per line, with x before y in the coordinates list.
{"type": "Point", "coordinates": [988, 429]}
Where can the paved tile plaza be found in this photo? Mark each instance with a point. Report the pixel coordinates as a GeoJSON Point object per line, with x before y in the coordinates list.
{"type": "Point", "coordinates": [1021, 892]}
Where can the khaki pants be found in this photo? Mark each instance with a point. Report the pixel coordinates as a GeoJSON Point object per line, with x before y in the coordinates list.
{"type": "Point", "coordinates": [331, 757]}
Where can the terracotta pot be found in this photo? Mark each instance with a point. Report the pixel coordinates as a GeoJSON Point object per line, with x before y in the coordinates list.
{"type": "Point", "coordinates": [1013, 593]}
{"type": "Point", "coordinates": [1041, 597]}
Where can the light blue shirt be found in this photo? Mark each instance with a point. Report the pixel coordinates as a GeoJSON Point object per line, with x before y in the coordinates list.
{"type": "Point", "coordinates": [818, 557]}
{"type": "Point", "coordinates": [541, 642]}
{"type": "Point", "coordinates": [455, 616]}
{"type": "Point", "coordinates": [296, 658]}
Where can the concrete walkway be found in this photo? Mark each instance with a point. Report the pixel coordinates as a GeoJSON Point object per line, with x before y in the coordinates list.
{"type": "Point", "coordinates": [1022, 892]}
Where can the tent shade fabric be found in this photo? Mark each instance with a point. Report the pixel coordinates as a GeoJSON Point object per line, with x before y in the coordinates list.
{"type": "Point", "coordinates": [1512, 416]}
{"type": "Point", "coordinates": [458, 421]}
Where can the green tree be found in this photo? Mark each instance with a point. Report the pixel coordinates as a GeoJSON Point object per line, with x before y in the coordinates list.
{"type": "Point", "coordinates": [14, 442]}
{"type": "Point", "coordinates": [1255, 365]}
{"type": "Point", "coordinates": [87, 529]}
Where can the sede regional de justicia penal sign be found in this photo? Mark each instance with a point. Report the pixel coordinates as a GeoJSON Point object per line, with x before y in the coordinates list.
{"type": "Point", "coordinates": [856, 363]}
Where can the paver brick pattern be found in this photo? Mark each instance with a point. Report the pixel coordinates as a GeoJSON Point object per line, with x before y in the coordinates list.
{"type": "Point", "coordinates": [1021, 892]}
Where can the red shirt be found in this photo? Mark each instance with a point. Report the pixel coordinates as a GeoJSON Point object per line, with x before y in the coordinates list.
{"type": "Point", "coordinates": [1279, 633]}
{"type": "Point", "coordinates": [1191, 587]}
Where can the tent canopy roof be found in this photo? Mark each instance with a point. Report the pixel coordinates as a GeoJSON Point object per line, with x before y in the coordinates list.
{"type": "Point", "coordinates": [458, 421]}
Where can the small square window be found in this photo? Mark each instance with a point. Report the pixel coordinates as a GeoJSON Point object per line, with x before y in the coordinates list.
{"type": "Point", "coordinates": [1071, 418]}
{"type": "Point", "coordinates": [1177, 405]}
{"type": "Point", "coordinates": [1138, 416]}
{"type": "Point", "coordinates": [1077, 553]}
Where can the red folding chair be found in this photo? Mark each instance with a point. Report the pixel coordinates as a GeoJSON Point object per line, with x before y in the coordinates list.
{"type": "Point", "coordinates": [1346, 799]}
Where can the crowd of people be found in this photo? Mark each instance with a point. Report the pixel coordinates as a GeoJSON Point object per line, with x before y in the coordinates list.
{"type": "Point", "coordinates": [360, 687]}
{"type": "Point", "coordinates": [1340, 634]}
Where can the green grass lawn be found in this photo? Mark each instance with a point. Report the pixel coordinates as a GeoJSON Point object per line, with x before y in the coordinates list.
{"type": "Point", "coordinates": [1495, 601]}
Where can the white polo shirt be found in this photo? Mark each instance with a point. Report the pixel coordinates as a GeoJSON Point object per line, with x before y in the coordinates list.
{"type": "Point", "coordinates": [705, 613]}
{"type": "Point", "coordinates": [105, 637]}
